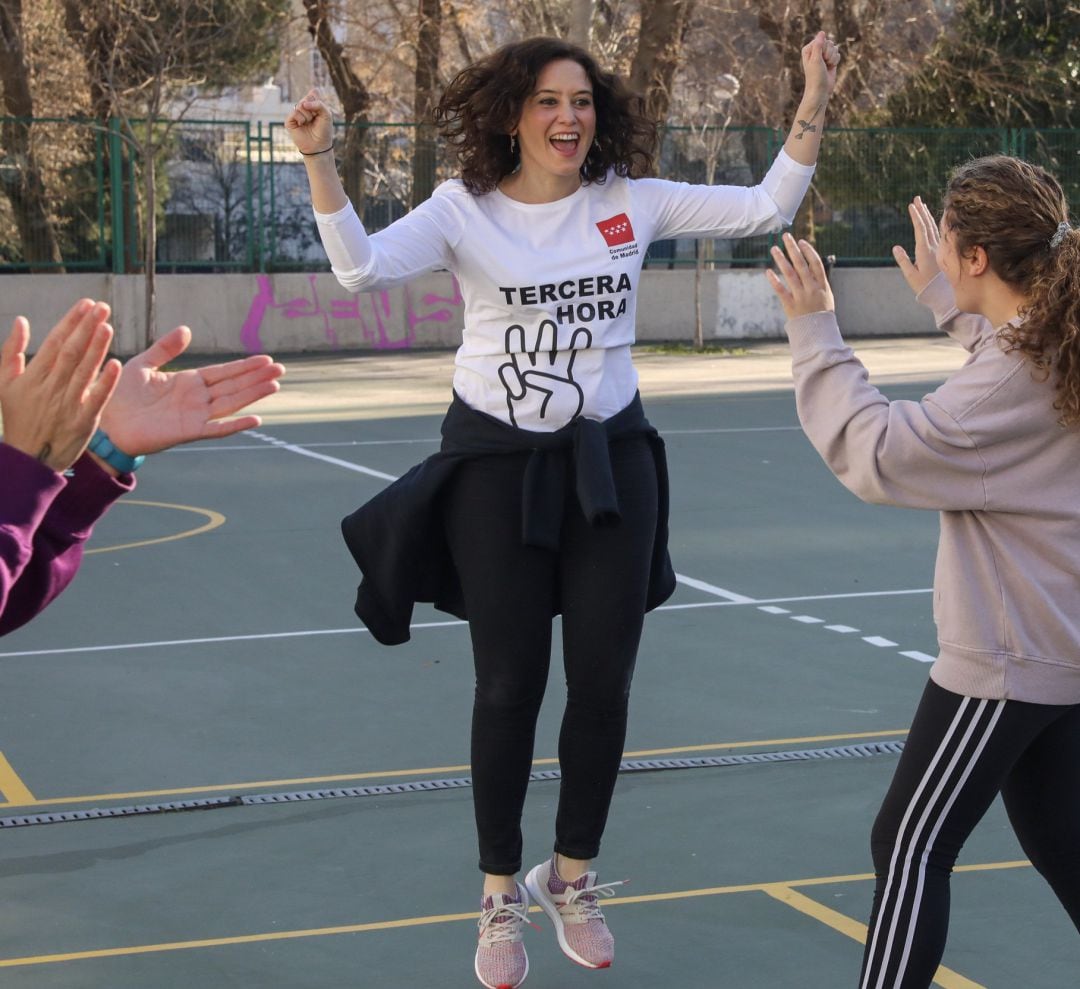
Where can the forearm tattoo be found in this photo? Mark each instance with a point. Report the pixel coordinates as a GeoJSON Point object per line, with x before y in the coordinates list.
{"type": "Point", "coordinates": [807, 125]}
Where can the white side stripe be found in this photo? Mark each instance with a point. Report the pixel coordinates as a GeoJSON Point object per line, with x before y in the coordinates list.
{"type": "Point", "coordinates": [892, 897]}
{"type": "Point", "coordinates": [1000, 706]}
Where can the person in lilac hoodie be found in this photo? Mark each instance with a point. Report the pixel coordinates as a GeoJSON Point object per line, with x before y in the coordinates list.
{"type": "Point", "coordinates": [75, 429]}
{"type": "Point", "coordinates": [995, 449]}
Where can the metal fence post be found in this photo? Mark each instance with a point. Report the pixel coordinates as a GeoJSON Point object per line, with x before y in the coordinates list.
{"type": "Point", "coordinates": [116, 193]}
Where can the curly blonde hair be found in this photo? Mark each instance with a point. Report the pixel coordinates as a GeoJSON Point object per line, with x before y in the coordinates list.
{"type": "Point", "coordinates": [1014, 210]}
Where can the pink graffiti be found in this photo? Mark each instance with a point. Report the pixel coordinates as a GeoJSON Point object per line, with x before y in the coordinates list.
{"type": "Point", "coordinates": [374, 328]}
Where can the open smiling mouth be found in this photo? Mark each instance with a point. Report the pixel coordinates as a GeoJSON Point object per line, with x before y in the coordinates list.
{"type": "Point", "coordinates": [565, 144]}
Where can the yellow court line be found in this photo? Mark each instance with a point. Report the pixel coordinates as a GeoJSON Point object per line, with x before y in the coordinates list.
{"type": "Point", "coordinates": [214, 519]}
{"type": "Point", "coordinates": [434, 770]}
{"type": "Point", "coordinates": [944, 977]}
{"type": "Point", "coordinates": [387, 925]}
{"type": "Point", "coordinates": [13, 788]}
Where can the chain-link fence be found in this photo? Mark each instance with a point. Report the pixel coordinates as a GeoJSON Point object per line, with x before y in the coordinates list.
{"type": "Point", "coordinates": [232, 195]}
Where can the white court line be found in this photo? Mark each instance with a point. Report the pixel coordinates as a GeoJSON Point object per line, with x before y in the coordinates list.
{"type": "Point", "coordinates": [293, 448]}
{"type": "Point", "coordinates": [842, 629]}
{"type": "Point", "coordinates": [214, 639]}
{"type": "Point", "coordinates": [920, 656]}
{"type": "Point", "coordinates": [190, 448]}
{"type": "Point", "coordinates": [719, 592]}
{"type": "Point", "coordinates": [808, 619]}
{"type": "Point", "coordinates": [419, 625]}
{"type": "Point", "coordinates": [729, 597]}
{"type": "Point", "coordinates": [880, 641]}
{"type": "Point", "coordinates": [268, 440]}
{"type": "Point", "coordinates": [732, 429]}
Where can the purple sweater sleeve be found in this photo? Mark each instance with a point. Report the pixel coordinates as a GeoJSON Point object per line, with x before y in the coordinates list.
{"type": "Point", "coordinates": [45, 519]}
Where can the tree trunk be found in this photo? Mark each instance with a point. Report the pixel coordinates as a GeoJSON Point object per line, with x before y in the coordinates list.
{"type": "Point", "coordinates": [150, 238]}
{"type": "Point", "coordinates": [23, 184]}
{"type": "Point", "coordinates": [96, 38]}
{"type": "Point", "coordinates": [353, 94]}
{"type": "Point", "coordinates": [660, 40]}
{"type": "Point", "coordinates": [429, 14]}
{"type": "Point", "coordinates": [581, 15]}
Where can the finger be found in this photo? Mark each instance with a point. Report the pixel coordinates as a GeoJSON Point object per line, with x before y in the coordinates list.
{"type": "Point", "coordinates": [168, 348]}
{"type": "Point", "coordinates": [66, 326]}
{"type": "Point", "coordinates": [814, 263]}
{"type": "Point", "coordinates": [79, 377]}
{"type": "Point", "coordinates": [212, 374]}
{"type": "Point", "coordinates": [99, 393]}
{"type": "Point", "coordinates": [13, 353]}
{"type": "Point", "coordinates": [920, 222]}
{"type": "Point", "coordinates": [903, 261]}
{"type": "Point", "coordinates": [779, 287]}
{"type": "Point", "coordinates": [83, 343]}
{"type": "Point", "coordinates": [932, 234]}
{"type": "Point", "coordinates": [229, 397]}
{"type": "Point", "coordinates": [795, 254]}
{"type": "Point", "coordinates": [547, 340]}
{"type": "Point", "coordinates": [228, 404]}
{"type": "Point", "coordinates": [783, 265]}
{"type": "Point", "coordinates": [217, 428]}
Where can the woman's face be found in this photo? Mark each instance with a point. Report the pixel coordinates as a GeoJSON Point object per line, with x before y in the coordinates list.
{"type": "Point", "coordinates": [558, 121]}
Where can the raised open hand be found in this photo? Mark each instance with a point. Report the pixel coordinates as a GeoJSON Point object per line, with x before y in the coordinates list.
{"type": "Point", "coordinates": [804, 287]}
{"type": "Point", "coordinates": [922, 271]}
{"type": "Point", "coordinates": [51, 406]}
{"type": "Point", "coordinates": [539, 380]}
{"type": "Point", "coordinates": [152, 409]}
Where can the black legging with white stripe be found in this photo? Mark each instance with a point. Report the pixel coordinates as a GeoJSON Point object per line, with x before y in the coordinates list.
{"type": "Point", "coordinates": [961, 752]}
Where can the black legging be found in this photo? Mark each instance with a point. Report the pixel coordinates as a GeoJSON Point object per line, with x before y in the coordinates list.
{"type": "Point", "coordinates": [599, 577]}
{"type": "Point", "coordinates": [961, 752]}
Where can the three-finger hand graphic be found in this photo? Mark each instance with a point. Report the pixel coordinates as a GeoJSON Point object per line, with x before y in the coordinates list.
{"type": "Point", "coordinates": [539, 379]}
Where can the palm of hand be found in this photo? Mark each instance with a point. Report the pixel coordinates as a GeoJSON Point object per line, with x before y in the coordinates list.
{"type": "Point", "coordinates": [152, 410]}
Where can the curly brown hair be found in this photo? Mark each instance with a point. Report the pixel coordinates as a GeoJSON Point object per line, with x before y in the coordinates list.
{"type": "Point", "coordinates": [483, 104]}
{"type": "Point", "coordinates": [1013, 210]}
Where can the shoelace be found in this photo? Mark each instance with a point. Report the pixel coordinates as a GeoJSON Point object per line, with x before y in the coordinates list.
{"type": "Point", "coordinates": [584, 902]}
{"type": "Point", "coordinates": [494, 931]}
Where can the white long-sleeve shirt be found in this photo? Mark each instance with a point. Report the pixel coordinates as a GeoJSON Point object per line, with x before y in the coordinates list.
{"type": "Point", "coordinates": [550, 289]}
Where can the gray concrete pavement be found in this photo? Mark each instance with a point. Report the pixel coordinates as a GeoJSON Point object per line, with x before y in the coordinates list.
{"type": "Point", "coordinates": [352, 386]}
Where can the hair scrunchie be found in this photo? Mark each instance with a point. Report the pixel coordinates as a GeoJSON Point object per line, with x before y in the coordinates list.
{"type": "Point", "coordinates": [1059, 234]}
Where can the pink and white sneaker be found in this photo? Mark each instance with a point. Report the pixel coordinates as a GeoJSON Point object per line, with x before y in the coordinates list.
{"type": "Point", "coordinates": [575, 913]}
{"type": "Point", "coordinates": [501, 961]}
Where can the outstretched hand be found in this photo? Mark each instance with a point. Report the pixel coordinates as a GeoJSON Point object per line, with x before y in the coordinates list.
{"type": "Point", "coordinates": [51, 406]}
{"type": "Point", "coordinates": [152, 410]}
{"type": "Point", "coordinates": [804, 287]}
{"type": "Point", "coordinates": [922, 271]}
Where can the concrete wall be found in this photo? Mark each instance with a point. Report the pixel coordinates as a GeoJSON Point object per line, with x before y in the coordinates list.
{"type": "Point", "coordinates": [291, 313]}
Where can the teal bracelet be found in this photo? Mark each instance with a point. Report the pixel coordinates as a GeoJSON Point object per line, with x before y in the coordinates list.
{"type": "Point", "coordinates": [102, 446]}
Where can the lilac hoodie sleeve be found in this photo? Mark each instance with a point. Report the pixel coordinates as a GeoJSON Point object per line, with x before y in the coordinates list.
{"type": "Point", "coordinates": [45, 519]}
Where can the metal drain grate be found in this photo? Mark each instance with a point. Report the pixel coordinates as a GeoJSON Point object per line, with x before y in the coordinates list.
{"type": "Point", "coordinates": [424, 786]}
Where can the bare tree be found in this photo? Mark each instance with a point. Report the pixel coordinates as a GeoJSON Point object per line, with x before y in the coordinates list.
{"type": "Point", "coordinates": [429, 17]}
{"type": "Point", "coordinates": [351, 91]}
{"type": "Point", "coordinates": [20, 173]}
{"type": "Point", "coordinates": [146, 55]}
{"type": "Point", "coordinates": [659, 50]}
{"type": "Point", "coordinates": [581, 18]}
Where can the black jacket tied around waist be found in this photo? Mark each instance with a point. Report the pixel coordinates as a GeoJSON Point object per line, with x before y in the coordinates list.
{"type": "Point", "coordinates": [397, 537]}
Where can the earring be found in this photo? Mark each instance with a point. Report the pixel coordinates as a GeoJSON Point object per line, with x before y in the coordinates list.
{"type": "Point", "coordinates": [513, 143]}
